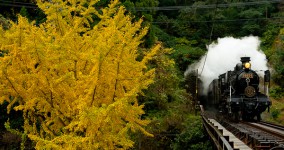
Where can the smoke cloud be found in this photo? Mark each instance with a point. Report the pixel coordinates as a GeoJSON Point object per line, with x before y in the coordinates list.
{"type": "Point", "coordinates": [225, 54]}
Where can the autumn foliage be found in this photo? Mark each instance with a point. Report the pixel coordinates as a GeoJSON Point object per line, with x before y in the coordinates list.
{"type": "Point", "coordinates": [76, 83]}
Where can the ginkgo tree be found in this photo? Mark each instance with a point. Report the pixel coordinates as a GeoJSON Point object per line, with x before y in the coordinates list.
{"type": "Point", "coordinates": [76, 83]}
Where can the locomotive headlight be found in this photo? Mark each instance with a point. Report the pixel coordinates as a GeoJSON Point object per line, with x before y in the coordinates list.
{"type": "Point", "coordinates": [247, 65]}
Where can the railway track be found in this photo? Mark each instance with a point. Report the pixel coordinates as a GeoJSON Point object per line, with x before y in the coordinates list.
{"type": "Point", "coordinates": [257, 136]}
{"type": "Point", "coordinates": [273, 129]}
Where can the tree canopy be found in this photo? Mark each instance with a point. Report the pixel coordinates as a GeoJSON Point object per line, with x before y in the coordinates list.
{"type": "Point", "coordinates": [76, 84]}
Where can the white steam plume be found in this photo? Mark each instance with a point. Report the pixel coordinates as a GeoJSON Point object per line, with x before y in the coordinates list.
{"type": "Point", "coordinates": [225, 54]}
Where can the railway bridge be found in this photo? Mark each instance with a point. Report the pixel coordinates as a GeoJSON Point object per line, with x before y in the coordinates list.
{"type": "Point", "coordinates": [228, 135]}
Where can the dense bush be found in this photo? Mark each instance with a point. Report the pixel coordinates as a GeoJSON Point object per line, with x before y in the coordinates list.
{"type": "Point", "coordinates": [192, 135]}
{"type": "Point", "coordinates": [276, 92]}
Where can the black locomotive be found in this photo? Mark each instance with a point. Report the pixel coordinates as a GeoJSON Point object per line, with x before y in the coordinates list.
{"type": "Point", "coordinates": [236, 93]}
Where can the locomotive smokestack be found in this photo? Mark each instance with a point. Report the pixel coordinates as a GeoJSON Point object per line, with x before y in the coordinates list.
{"type": "Point", "coordinates": [246, 63]}
{"type": "Point", "coordinates": [245, 59]}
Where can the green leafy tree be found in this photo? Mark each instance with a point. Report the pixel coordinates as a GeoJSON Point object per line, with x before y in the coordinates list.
{"type": "Point", "coordinates": [134, 6]}
{"type": "Point", "coordinates": [277, 58]}
{"type": "Point", "coordinates": [186, 53]}
{"type": "Point", "coordinates": [166, 103]}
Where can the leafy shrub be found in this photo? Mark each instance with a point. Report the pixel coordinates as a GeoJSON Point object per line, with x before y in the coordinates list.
{"type": "Point", "coordinates": [193, 135]}
{"type": "Point", "coordinates": [277, 92]}
{"type": "Point", "coordinates": [275, 113]}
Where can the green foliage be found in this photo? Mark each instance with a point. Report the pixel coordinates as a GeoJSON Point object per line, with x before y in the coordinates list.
{"type": "Point", "coordinates": [192, 135]}
{"type": "Point", "coordinates": [147, 3]}
{"type": "Point", "coordinates": [197, 22]}
{"type": "Point", "coordinates": [147, 16]}
{"type": "Point", "coordinates": [168, 40]}
{"type": "Point", "coordinates": [40, 17]}
{"type": "Point", "coordinates": [268, 37]}
{"type": "Point", "coordinates": [129, 5]}
{"type": "Point", "coordinates": [277, 58]}
{"type": "Point", "coordinates": [167, 120]}
{"type": "Point", "coordinates": [275, 113]}
{"type": "Point", "coordinates": [167, 2]}
{"type": "Point", "coordinates": [276, 92]}
{"type": "Point", "coordinates": [166, 82]}
{"type": "Point", "coordinates": [4, 22]}
{"type": "Point", "coordinates": [251, 26]}
{"type": "Point", "coordinates": [24, 12]}
{"type": "Point", "coordinates": [165, 104]}
{"type": "Point", "coordinates": [15, 118]}
{"type": "Point", "coordinates": [250, 13]}
{"type": "Point", "coordinates": [150, 37]}
{"type": "Point", "coordinates": [185, 53]}
{"type": "Point", "coordinates": [3, 52]}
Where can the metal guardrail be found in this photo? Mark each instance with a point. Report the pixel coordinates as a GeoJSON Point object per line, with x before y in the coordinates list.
{"type": "Point", "coordinates": [219, 140]}
{"type": "Point", "coordinates": [222, 137]}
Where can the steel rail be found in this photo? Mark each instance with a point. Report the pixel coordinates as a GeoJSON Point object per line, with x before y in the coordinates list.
{"type": "Point", "coordinates": [279, 127]}
{"type": "Point", "coordinates": [272, 132]}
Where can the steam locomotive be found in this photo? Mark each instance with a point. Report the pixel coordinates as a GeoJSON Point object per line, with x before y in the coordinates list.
{"type": "Point", "coordinates": [236, 93]}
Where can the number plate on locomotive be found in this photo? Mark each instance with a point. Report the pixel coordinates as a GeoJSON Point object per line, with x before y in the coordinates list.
{"type": "Point", "coordinates": [247, 75]}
